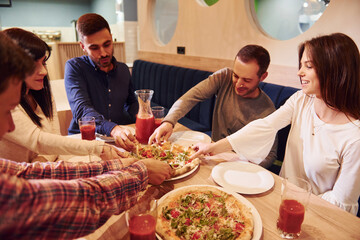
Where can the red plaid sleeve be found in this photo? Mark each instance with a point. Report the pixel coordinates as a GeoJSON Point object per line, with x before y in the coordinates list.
{"type": "Point", "coordinates": [63, 209]}
{"type": "Point", "coordinates": [58, 170]}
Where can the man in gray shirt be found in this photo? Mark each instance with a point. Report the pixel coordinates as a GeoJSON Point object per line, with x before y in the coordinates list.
{"type": "Point", "coordinates": [239, 99]}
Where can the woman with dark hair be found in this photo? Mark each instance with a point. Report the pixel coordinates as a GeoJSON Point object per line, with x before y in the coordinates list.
{"type": "Point", "coordinates": [37, 125]}
{"type": "Point", "coordinates": [323, 145]}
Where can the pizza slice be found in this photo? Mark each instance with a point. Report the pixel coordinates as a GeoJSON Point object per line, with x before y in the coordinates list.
{"type": "Point", "coordinates": [177, 156]}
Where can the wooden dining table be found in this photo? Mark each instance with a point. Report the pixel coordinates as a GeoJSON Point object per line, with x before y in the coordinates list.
{"type": "Point", "coordinates": [323, 220]}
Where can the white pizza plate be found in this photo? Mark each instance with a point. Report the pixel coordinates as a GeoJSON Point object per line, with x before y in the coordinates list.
{"type": "Point", "coordinates": [189, 138]}
{"type": "Point", "coordinates": [183, 175]}
{"type": "Point", "coordinates": [242, 177]}
{"type": "Point", "coordinates": [255, 213]}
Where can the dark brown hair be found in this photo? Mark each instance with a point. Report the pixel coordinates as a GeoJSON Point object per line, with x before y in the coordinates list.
{"type": "Point", "coordinates": [90, 23]}
{"type": "Point", "coordinates": [37, 49]}
{"type": "Point", "coordinates": [15, 64]}
{"type": "Point", "coordinates": [257, 53]}
{"type": "Point", "coordinates": [336, 60]}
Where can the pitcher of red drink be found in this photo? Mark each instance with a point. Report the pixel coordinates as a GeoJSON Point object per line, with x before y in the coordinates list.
{"type": "Point", "coordinates": [145, 123]}
{"type": "Point", "coordinates": [295, 194]}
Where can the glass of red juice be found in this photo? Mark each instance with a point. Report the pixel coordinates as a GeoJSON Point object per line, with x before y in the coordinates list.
{"type": "Point", "coordinates": [159, 114]}
{"type": "Point", "coordinates": [295, 194]}
{"type": "Point", "coordinates": [141, 220]}
{"type": "Point", "coordinates": [87, 128]}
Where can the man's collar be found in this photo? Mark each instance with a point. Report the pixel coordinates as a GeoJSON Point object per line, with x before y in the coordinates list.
{"type": "Point", "coordinates": [97, 68]}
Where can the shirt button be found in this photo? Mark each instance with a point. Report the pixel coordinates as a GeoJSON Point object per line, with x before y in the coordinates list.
{"type": "Point", "coordinates": [109, 120]}
{"type": "Point", "coordinates": [109, 90]}
{"type": "Point", "coordinates": [109, 105]}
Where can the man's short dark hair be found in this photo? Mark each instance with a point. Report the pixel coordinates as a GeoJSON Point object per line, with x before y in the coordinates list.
{"type": "Point", "coordinates": [257, 53]}
{"type": "Point", "coordinates": [90, 23]}
{"type": "Point", "coordinates": [15, 64]}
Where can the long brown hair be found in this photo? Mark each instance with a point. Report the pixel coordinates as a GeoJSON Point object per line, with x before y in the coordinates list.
{"type": "Point", "coordinates": [15, 63]}
{"type": "Point", "coordinates": [37, 49]}
{"type": "Point", "coordinates": [336, 60]}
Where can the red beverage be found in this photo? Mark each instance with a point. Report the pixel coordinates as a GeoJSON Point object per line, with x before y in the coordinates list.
{"type": "Point", "coordinates": [87, 132]}
{"type": "Point", "coordinates": [144, 127]}
{"type": "Point", "coordinates": [157, 122]}
{"type": "Point", "coordinates": [291, 216]}
{"type": "Point", "coordinates": [142, 227]}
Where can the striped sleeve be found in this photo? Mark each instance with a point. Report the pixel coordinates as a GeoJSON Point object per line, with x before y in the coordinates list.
{"type": "Point", "coordinates": [58, 170]}
{"type": "Point", "coordinates": [49, 209]}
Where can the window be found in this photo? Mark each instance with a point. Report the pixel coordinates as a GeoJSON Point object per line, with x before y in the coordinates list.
{"type": "Point", "coordinates": [285, 19]}
{"type": "Point", "coordinates": [165, 19]}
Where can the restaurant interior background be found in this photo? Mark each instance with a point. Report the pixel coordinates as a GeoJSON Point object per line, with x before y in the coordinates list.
{"type": "Point", "coordinates": [200, 34]}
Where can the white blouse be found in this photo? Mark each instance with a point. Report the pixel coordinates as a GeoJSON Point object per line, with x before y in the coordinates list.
{"type": "Point", "coordinates": [327, 155]}
{"type": "Point", "coordinates": [28, 140]}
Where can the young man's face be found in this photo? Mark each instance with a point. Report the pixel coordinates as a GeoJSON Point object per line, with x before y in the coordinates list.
{"type": "Point", "coordinates": [245, 78]}
{"type": "Point", "coordinates": [9, 99]}
{"type": "Point", "coordinates": [99, 47]}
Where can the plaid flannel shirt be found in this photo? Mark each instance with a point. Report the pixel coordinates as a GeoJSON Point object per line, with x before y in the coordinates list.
{"type": "Point", "coordinates": [61, 200]}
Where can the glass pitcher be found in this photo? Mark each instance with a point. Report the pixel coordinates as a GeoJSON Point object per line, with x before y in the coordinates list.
{"type": "Point", "coordinates": [145, 123]}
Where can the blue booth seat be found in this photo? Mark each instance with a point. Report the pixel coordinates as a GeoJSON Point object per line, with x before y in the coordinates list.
{"type": "Point", "coordinates": [171, 82]}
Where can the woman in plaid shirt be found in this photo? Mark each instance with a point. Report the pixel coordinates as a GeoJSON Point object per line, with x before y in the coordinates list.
{"type": "Point", "coordinates": [60, 200]}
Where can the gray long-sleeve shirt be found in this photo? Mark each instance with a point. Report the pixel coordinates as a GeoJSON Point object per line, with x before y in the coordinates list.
{"type": "Point", "coordinates": [231, 112]}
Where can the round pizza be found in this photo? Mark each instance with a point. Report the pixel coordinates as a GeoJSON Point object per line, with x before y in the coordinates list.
{"type": "Point", "coordinates": [175, 155]}
{"type": "Point", "coordinates": [203, 212]}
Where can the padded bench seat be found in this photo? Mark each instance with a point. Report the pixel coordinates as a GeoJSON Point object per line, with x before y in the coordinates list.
{"type": "Point", "coordinates": [171, 82]}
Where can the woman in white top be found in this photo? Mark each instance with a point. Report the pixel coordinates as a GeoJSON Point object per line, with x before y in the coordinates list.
{"type": "Point", "coordinates": [323, 145]}
{"type": "Point", "coordinates": [37, 126]}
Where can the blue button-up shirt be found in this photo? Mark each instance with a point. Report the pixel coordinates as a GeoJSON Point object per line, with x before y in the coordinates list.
{"type": "Point", "coordinates": [109, 97]}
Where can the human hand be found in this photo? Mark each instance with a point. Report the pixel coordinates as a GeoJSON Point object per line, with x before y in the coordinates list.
{"type": "Point", "coordinates": [158, 171]}
{"type": "Point", "coordinates": [202, 149]}
{"type": "Point", "coordinates": [110, 152]}
{"type": "Point", "coordinates": [162, 133]}
{"type": "Point", "coordinates": [123, 138]}
{"type": "Point", "coordinates": [211, 148]}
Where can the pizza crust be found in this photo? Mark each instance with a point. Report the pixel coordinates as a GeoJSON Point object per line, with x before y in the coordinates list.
{"type": "Point", "coordinates": [187, 167]}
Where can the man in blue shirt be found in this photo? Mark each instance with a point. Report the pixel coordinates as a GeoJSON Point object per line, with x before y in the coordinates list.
{"type": "Point", "coordinates": [99, 86]}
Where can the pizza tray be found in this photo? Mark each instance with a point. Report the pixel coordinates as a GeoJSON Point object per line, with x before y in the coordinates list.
{"type": "Point", "coordinates": [256, 216]}
{"type": "Point", "coordinates": [242, 177]}
{"type": "Point", "coordinates": [183, 175]}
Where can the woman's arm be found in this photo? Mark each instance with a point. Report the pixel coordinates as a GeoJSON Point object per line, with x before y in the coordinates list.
{"type": "Point", "coordinates": [32, 137]}
{"type": "Point", "coordinates": [346, 190]}
{"type": "Point", "coordinates": [255, 140]}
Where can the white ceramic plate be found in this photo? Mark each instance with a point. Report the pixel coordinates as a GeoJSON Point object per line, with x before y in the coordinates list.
{"type": "Point", "coordinates": [255, 213]}
{"type": "Point", "coordinates": [242, 177]}
{"type": "Point", "coordinates": [188, 138]}
{"type": "Point", "coordinates": [183, 175]}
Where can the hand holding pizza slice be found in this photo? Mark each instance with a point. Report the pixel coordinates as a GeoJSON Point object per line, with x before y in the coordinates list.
{"type": "Point", "coordinates": [177, 156]}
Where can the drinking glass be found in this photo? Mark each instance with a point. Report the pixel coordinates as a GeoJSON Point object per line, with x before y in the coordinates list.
{"type": "Point", "coordinates": [141, 220]}
{"type": "Point", "coordinates": [295, 194]}
{"type": "Point", "coordinates": [87, 128]}
{"type": "Point", "coordinates": [159, 114]}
